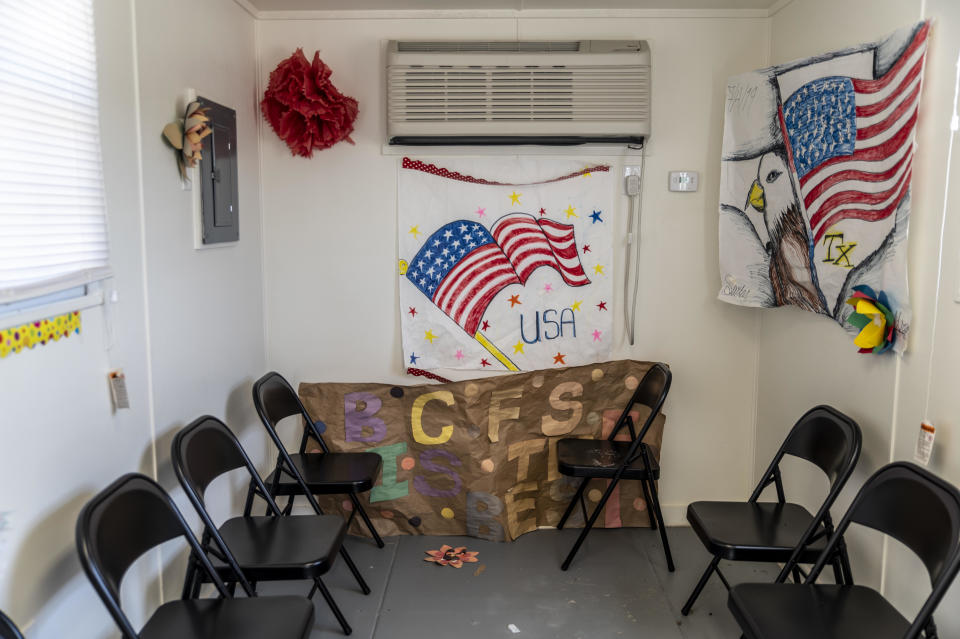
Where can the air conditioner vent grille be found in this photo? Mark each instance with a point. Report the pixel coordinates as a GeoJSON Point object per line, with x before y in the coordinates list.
{"type": "Point", "coordinates": [442, 93]}
{"type": "Point", "coordinates": [493, 46]}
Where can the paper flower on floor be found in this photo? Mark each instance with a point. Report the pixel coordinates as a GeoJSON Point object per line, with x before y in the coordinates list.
{"type": "Point", "coordinates": [872, 315]}
{"type": "Point", "coordinates": [186, 136]}
{"type": "Point", "coordinates": [448, 556]}
{"type": "Point", "coordinates": [303, 107]}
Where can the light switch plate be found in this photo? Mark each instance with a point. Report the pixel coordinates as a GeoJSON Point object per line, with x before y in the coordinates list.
{"type": "Point", "coordinates": [684, 181]}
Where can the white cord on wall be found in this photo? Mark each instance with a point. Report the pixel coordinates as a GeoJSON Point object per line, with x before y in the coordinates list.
{"type": "Point", "coordinates": [634, 188]}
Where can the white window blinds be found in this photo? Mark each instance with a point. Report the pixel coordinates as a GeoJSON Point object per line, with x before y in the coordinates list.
{"type": "Point", "coordinates": [53, 232]}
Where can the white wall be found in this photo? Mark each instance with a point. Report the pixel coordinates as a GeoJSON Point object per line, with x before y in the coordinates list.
{"type": "Point", "coordinates": [330, 231]}
{"type": "Point", "coordinates": [188, 325]}
{"type": "Point", "coordinates": [806, 360]}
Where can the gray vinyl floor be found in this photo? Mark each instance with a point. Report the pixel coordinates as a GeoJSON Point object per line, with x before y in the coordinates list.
{"type": "Point", "coordinates": [618, 586]}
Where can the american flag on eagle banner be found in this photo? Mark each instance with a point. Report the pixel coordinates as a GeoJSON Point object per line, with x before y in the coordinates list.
{"type": "Point", "coordinates": [476, 246]}
{"type": "Point", "coordinates": [818, 203]}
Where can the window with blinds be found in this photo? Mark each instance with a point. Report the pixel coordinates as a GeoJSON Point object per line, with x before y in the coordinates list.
{"type": "Point", "coordinates": [53, 229]}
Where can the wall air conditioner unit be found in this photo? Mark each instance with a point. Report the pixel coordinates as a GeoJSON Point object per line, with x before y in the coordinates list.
{"type": "Point", "coordinates": [507, 92]}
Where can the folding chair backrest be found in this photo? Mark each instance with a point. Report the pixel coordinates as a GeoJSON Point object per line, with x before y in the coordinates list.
{"type": "Point", "coordinates": [8, 630]}
{"type": "Point", "coordinates": [275, 400]}
{"type": "Point", "coordinates": [918, 509]}
{"type": "Point", "coordinates": [828, 439]}
{"type": "Point", "coordinates": [204, 450]}
{"type": "Point", "coordinates": [121, 523]}
{"type": "Point", "coordinates": [651, 392]}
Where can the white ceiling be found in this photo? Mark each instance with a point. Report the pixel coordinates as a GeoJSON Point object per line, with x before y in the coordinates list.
{"type": "Point", "coordinates": [511, 5]}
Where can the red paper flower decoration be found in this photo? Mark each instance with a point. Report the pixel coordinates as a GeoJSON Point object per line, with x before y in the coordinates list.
{"type": "Point", "coordinates": [304, 108]}
{"type": "Point", "coordinates": [455, 557]}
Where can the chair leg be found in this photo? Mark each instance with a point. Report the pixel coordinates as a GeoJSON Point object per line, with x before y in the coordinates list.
{"type": "Point", "coordinates": [248, 505]}
{"type": "Point", "coordinates": [318, 585]}
{"type": "Point", "coordinates": [589, 524]}
{"type": "Point", "coordinates": [573, 503]}
{"type": "Point", "coordinates": [289, 507]}
{"type": "Point", "coordinates": [797, 578]}
{"type": "Point", "coordinates": [663, 527]}
{"type": "Point", "coordinates": [353, 568]}
{"type": "Point", "coordinates": [189, 578]}
{"type": "Point", "coordinates": [358, 507]}
{"type": "Point", "coordinates": [845, 563]}
{"type": "Point", "coordinates": [646, 497]}
{"type": "Point", "coordinates": [699, 587]}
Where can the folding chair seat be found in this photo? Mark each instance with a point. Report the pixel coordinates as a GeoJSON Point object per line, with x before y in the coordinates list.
{"type": "Point", "coordinates": [8, 630]}
{"type": "Point", "coordinates": [617, 460]}
{"type": "Point", "coordinates": [781, 531]}
{"type": "Point", "coordinates": [134, 515]}
{"type": "Point", "coordinates": [310, 473]}
{"type": "Point", "coordinates": [267, 548]}
{"type": "Point", "coordinates": [901, 500]}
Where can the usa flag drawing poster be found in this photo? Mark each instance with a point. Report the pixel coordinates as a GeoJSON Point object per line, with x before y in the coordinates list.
{"type": "Point", "coordinates": [505, 265]}
{"type": "Point", "coordinates": [815, 183]}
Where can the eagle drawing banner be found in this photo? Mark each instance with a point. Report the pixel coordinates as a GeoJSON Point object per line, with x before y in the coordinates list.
{"type": "Point", "coordinates": [505, 264]}
{"type": "Point", "coordinates": [815, 182]}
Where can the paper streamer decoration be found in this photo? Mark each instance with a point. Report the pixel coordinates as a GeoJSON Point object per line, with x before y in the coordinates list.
{"type": "Point", "coordinates": [873, 317]}
{"type": "Point", "coordinates": [505, 264]}
{"type": "Point", "coordinates": [40, 333]}
{"type": "Point", "coordinates": [815, 179]}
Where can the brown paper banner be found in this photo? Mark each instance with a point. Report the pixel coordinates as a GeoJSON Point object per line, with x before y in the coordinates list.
{"type": "Point", "coordinates": [478, 457]}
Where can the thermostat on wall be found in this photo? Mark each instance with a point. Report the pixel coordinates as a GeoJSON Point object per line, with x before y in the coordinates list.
{"type": "Point", "coordinates": [684, 181]}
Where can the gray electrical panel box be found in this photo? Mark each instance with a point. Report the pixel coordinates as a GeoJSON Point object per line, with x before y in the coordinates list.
{"type": "Point", "coordinates": [219, 202]}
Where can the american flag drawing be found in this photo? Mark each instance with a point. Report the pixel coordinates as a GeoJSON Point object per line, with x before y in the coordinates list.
{"type": "Point", "coordinates": [462, 266]}
{"type": "Point", "coordinates": [851, 140]}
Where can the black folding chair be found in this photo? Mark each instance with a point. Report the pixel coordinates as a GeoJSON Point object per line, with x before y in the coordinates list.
{"type": "Point", "coordinates": [781, 531]}
{"type": "Point", "coordinates": [8, 630]}
{"type": "Point", "coordinates": [901, 500]}
{"type": "Point", "coordinates": [322, 473]}
{"type": "Point", "coordinates": [616, 460]}
{"type": "Point", "coordinates": [268, 548]}
{"type": "Point", "coordinates": [134, 515]}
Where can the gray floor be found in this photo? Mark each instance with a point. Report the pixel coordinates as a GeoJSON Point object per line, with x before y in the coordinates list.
{"type": "Point", "coordinates": [617, 586]}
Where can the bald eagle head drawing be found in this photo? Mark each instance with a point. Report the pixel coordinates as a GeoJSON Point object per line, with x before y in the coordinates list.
{"type": "Point", "coordinates": [791, 274]}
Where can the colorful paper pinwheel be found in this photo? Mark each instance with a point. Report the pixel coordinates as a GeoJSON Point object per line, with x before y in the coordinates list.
{"type": "Point", "coordinates": [872, 315]}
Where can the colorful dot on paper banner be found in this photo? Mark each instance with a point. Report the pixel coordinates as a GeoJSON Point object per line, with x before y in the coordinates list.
{"type": "Point", "coordinates": [639, 504]}
{"type": "Point", "coordinates": [446, 513]}
{"type": "Point", "coordinates": [576, 305]}
{"type": "Point", "coordinates": [537, 381]}
{"type": "Point", "coordinates": [518, 347]}
{"type": "Point", "coordinates": [487, 465]}
{"type": "Point", "coordinates": [593, 418]}
{"type": "Point", "coordinates": [397, 392]}
{"type": "Point", "coordinates": [459, 354]}
{"type": "Point", "coordinates": [415, 521]}
{"type": "Point", "coordinates": [598, 269]}
{"type": "Point", "coordinates": [407, 463]}
{"type": "Point", "coordinates": [586, 248]}
{"type": "Point", "coordinates": [386, 514]}
{"type": "Point", "coordinates": [594, 495]}
{"type": "Point", "coordinates": [414, 231]}
{"type": "Point", "coordinates": [596, 335]}
{"type": "Point", "coordinates": [347, 505]}
{"type": "Point", "coordinates": [481, 211]}
{"type": "Point", "coordinates": [571, 212]}
{"type": "Point", "coordinates": [596, 374]}
{"type": "Point", "coordinates": [429, 336]}
{"type": "Point", "coordinates": [631, 382]}
{"type": "Point", "coordinates": [471, 390]}
{"type": "Point", "coordinates": [515, 197]}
